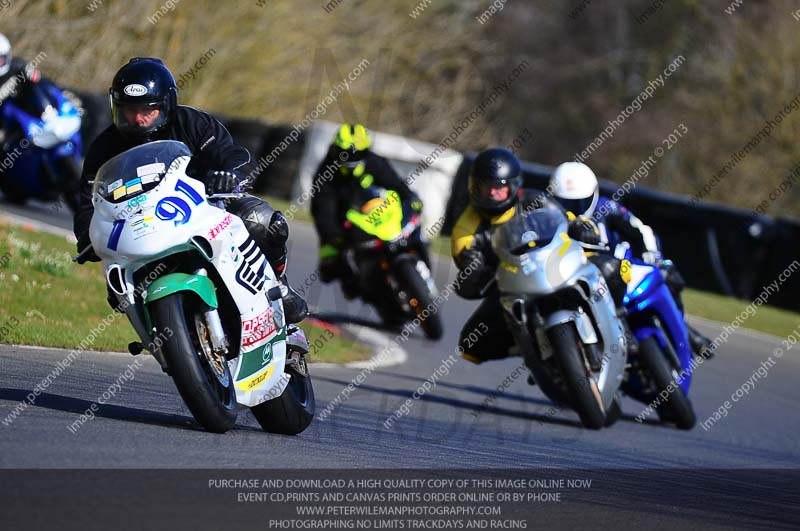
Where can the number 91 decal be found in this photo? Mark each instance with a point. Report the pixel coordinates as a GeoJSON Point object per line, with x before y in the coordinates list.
{"type": "Point", "coordinates": [176, 209]}
{"type": "Point", "coordinates": [168, 209]}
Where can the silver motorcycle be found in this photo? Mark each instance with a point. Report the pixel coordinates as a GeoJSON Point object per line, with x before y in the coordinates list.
{"type": "Point", "coordinates": [561, 313]}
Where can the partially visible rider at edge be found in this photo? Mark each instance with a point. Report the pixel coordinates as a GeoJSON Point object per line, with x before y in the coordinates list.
{"type": "Point", "coordinates": [144, 109]}
{"type": "Point", "coordinates": [350, 163]}
{"type": "Point", "coordinates": [15, 74]}
{"type": "Point", "coordinates": [576, 187]}
{"type": "Point", "coordinates": [495, 197]}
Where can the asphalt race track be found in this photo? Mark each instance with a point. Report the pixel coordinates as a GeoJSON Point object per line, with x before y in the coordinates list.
{"type": "Point", "coordinates": [146, 424]}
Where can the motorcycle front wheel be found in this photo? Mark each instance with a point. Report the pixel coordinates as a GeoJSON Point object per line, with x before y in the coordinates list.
{"type": "Point", "coordinates": [583, 392]}
{"type": "Point", "coordinates": [678, 408]}
{"type": "Point", "coordinates": [420, 299]}
{"type": "Point", "coordinates": [201, 376]}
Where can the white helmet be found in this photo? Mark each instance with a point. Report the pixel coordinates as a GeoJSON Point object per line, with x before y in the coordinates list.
{"type": "Point", "coordinates": [575, 186]}
{"type": "Point", "coordinates": [5, 55]}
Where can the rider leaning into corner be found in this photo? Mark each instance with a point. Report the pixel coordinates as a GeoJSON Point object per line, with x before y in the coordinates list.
{"type": "Point", "coordinates": [495, 197]}
{"type": "Point", "coordinates": [349, 163]}
{"type": "Point", "coordinates": [144, 109]}
{"type": "Point", "coordinates": [575, 186]}
{"type": "Point", "coordinates": [14, 75]}
{"type": "Point", "coordinates": [14, 71]}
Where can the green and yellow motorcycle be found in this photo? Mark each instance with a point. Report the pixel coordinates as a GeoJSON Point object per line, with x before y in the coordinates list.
{"type": "Point", "coordinates": [388, 260]}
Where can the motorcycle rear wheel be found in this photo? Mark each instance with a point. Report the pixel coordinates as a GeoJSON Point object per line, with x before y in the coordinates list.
{"type": "Point", "coordinates": [293, 411]}
{"type": "Point", "coordinates": [12, 194]}
{"type": "Point", "coordinates": [69, 175]}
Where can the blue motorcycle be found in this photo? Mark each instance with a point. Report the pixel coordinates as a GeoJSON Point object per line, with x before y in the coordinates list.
{"type": "Point", "coordinates": [42, 147]}
{"type": "Point", "coordinates": [661, 368]}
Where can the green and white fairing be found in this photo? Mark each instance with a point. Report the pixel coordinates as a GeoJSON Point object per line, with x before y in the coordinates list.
{"type": "Point", "coordinates": [160, 212]}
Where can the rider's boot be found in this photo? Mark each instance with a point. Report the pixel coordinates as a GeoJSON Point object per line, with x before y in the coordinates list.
{"type": "Point", "coordinates": [702, 346]}
{"type": "Point", "coordinates": [348, 281]}
{"type": "Point", "coordinates": [270, 230]}
{"type": "Point", "coordinates": [295, 308]}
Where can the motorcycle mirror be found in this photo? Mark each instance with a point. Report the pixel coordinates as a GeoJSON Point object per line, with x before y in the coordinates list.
{"type": "Point", "coordinates": [213, 197]}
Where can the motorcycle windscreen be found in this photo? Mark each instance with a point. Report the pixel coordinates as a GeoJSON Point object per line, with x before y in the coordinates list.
{"type": "Point", "coordinates": [525, 231]}
{"type": "Point", "coordinates": [33, 99]}
{"type": "Point", "coordinates": [137, 170]}
{"type": "Point", "coordinates": [380, 216]}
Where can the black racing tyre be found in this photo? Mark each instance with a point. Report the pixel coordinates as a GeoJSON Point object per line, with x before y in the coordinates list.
{"type": "Point", "coordinates": [420, 298]}
{"type": "Point", "coordinates": [614, 412]}
{"type": "Point", "coordinates": [69, 175]}
{"type": "Point", "coordinates": [678, 408]}
{"type": "Point", "coordinates": [293, 411]}
{"type": "Point", "coordinates": [208, 392]}
{"type": "Point", "coordinates": [13, 195]}
{"type": "Point", "coordinates": [584, 394]}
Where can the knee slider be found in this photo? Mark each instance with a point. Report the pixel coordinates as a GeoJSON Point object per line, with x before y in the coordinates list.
{"type": "Point", "coordinates": [268, 228]}
{"type": "Point", "coordinates": [278, 228]}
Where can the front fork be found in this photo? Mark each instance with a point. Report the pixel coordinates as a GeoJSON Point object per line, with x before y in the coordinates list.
{"type": "Point", "coordinates": [215, 331]}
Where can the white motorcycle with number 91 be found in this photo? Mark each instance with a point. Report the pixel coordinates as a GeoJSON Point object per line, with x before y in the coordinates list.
{"type": "Point", "coordinates": [215, 291]}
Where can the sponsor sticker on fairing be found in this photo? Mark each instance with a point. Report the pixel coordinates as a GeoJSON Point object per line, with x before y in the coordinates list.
{"type": "Point", "coordinates": [258, 329]}
{"type": "Point", "coordinates": [143, 226]}
{"type": "Point", "coordinates": [156, 168]}
{"type": "Point", "coordinates": [149, 173]}
{"type": "Point", "coordinates": [133, 186]}
{"type": "Point", "coordinates": [222, 225]}
{"type": "Point", "coordinates": [113, 186]}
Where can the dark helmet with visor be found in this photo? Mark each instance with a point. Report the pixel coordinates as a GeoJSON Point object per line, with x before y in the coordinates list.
{"type": "Point", "coordinates": [494, 181]}
{"type": "Point", "coordinates": [143, 98]}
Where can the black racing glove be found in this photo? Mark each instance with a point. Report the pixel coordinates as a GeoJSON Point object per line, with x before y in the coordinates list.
{"type": "Point", "coordinates": [90, 256]}
{"type": "Point", "coordinates": [224, 182]}
{"type": "Point", "coordinates": [474, 275]}
{"type": "Point", "coordinates": [329, 269]}
{"type": "Point", "coordinates": [583, 230]}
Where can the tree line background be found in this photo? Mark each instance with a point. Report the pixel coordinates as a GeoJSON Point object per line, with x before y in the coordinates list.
{"type": "Point", "coordinates": [276, 59]}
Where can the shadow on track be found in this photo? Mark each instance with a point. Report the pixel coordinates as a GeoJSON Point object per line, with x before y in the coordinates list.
{"type": "Point", "coordinates": [625, 417]}
{"type": "Point", "coordinates": [69, 404]}
{"type": "Point", "coordinates": [469, 388]}
{"type": "Point", "coordinates": [463, 404]}
{"type": "Point", "coordinates": [339, 318]}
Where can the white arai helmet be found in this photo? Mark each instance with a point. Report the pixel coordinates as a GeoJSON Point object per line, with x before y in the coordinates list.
{"type": "Point", "coordinates": [575, 186]}
{"type": "Point", "coordinates": [5, 54]}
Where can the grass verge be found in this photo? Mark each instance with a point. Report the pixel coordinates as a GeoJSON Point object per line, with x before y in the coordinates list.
{"type": "Point", "coordinates": [48, 301]}
{"type": "Point", "coordinates": [767, 319]}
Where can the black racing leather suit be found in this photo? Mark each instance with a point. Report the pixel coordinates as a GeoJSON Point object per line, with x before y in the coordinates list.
{"type": "Point", "coordinates": [333, 192]}
{"type": "Point", "coordinates": [212, 149]}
